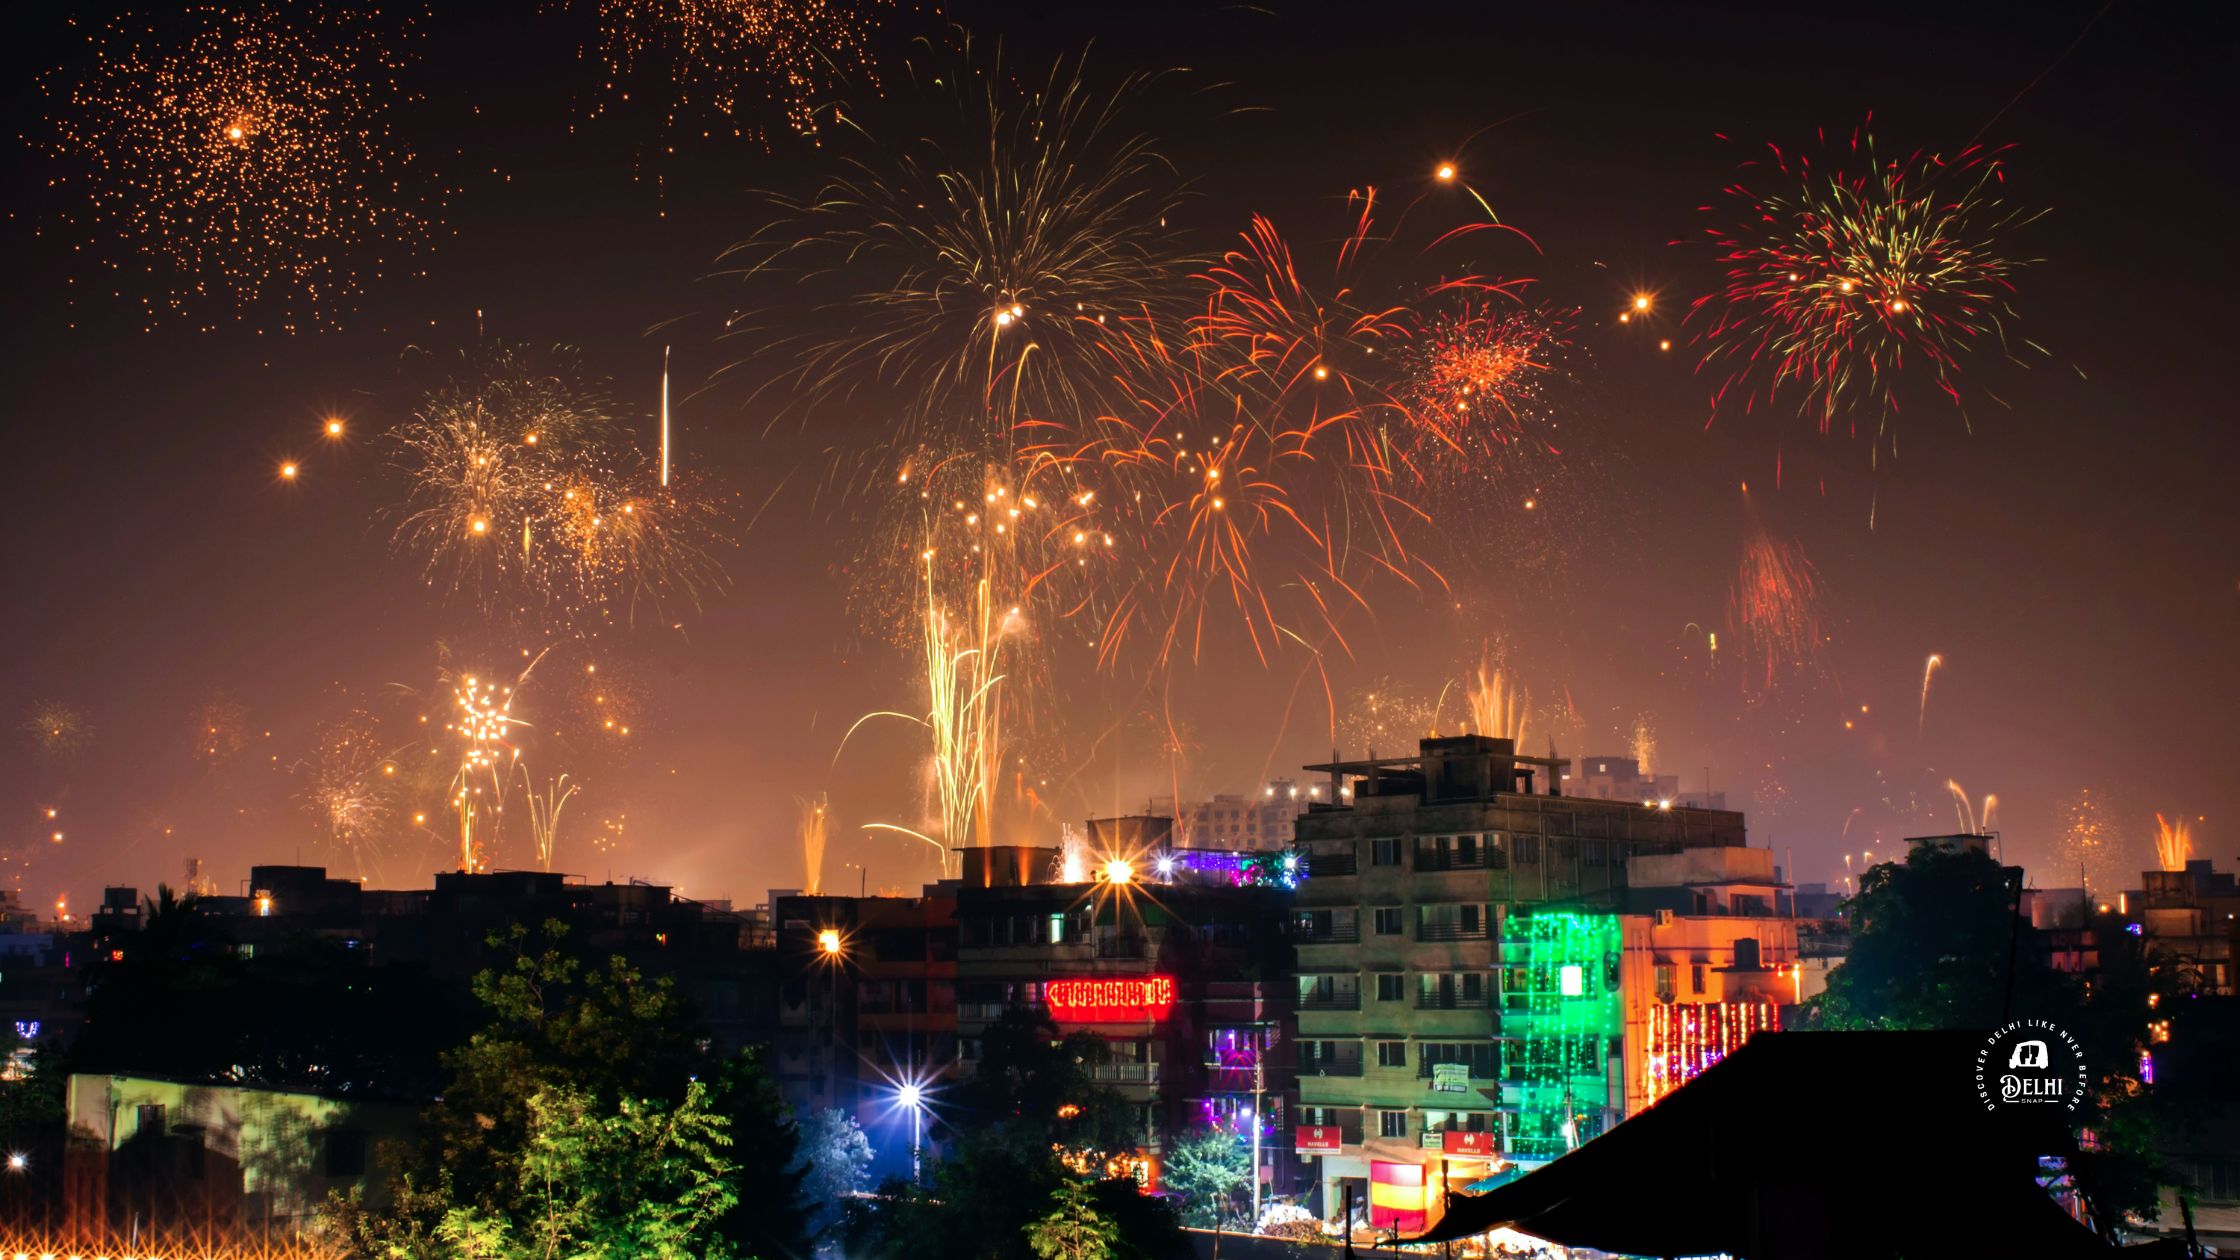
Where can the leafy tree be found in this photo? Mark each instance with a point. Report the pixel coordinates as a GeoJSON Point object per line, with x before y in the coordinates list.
{"type": "Point", "coordinates": [609, 1184]}
{"type": "Point", "coordinates": [1207, 1169]}
{"type": "Point", "coordinates": [1936, 943]}
{"type": "Point", "coordinates": [1073, 1229]}
{"type": "Point", "coordinates": [775, 1219]}
{"type": "Point", "coordinates": [839, 1163]}
{"type": "Point", "coordinates": [1930, 942]}
{"type": "Point", "coordinates": [583, 1114]}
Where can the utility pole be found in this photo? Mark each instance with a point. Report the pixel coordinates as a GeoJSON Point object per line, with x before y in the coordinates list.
{"type": "Point", "coordinates": [1259, 1085]}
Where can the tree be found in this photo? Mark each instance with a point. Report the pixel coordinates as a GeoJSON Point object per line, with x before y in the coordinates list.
{"type": "Point", "coordinates": [1937, 943]}
{"type": "Point", "coordinates": [609, 1184]}
{"type": "Point", "coordinates": [584, 1114]}
{"type": "Point", "coordinates": [839, 1163]}
{"type": "Point", "coordinates": [1073, 1229]}
{"type": "Point", "coordinates": [1931, 940]}
{"type": "Point", "coordinates": [1207, 1169]}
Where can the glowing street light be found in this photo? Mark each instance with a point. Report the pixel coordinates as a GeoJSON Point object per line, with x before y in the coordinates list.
{"type": "Point", "coordinates": [911, 1096]}
{"type": "Point", "coordinates": [829, 941]}
{"type": "Point", "coordinates": [1119, 871]}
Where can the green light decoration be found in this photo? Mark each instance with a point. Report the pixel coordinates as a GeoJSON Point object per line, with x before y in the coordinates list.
{"type": "Point", "coordinates": [1561, 1017]}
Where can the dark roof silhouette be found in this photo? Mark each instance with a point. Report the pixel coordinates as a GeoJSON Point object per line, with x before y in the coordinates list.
{"type": "Point", "coordinates": [1807, 1144]}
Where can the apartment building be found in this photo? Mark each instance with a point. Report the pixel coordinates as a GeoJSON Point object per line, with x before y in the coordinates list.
{"type": "Point", "coordinates": [1460, 961]}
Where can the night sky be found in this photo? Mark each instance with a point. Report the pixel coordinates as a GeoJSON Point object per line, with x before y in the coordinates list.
{"type": "Point", "coordinates": [2071, 555]}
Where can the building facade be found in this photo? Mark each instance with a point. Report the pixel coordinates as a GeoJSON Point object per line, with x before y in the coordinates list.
{"type": "Point", "coordinates": [1460, 968]}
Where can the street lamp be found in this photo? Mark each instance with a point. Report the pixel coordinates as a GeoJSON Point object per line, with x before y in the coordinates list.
{"type": "Point", "coordinates": [912, 1096]}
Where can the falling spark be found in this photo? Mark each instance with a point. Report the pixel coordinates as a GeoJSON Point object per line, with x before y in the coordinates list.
{"type": "Point", "coordinates": [664, 417]}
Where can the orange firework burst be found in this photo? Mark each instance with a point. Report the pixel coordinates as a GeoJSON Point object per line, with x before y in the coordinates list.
{"type": "Point", "coordinates": [218, 729]}
{"type": "Point", "coordinates": [240, 162]}
{"type": "Point", "coordinates": [719, 57]}
{"type": "Point", "coordinates": [525, 494]}
{"type": "Point", "coordinates": [1476, 391]}
{"type": "Point", "coordinates": [1774, 611]}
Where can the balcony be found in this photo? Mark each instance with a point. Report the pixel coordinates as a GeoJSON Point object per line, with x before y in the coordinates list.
{"type": "Point", "coordinates": [1125, 1073]}
{"type": "Point", "coordinates": [1453, 1002]}
{"type": "Point", "coordinates": [1123, 947]}
{"type": "Point", "coordinates": [1451, 931]}
{"type": "Point", "coordinates": [1485, 1071]}
{"type": "Point", "coordinates": [1330, 1067]}
{"type": "Point", "coordinates": [1329, 934]}
{"type": "Point", "coordinates": [1324, 865]}
{"type": "Point", "coordinates": [1330, 1001]}
{"type": "Point", "coordinates": [1445, 860]}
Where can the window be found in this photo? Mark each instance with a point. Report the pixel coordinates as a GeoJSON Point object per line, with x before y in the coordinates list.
{"type": "Point", "coordinates": [1497, 853]}
{"type": "Point", "coordinates": [1528, 850]}
{"type": "Point", "coordinates": [1664, 982]}
{"type": "Point", "coordinates": [1391, 987]}
{"type": "Point", "coordinates": [1392, 1054]}
{"type": "Point", "coordinates": [1479, 1055]}
{"type": "Point", "coordinates": [1058, 928]}
{"type": "Point", "coordinates": [1457, 1122]}
{"type": "Point", "coordinates": [1695, 977]}
{"type": "Point", "coordinates": [150, 1119]}
{"type": "Point", "coordinates": [1388, 920]}
{"type": "Point", "coordinates": [1392, 1124]}
{"type": "Point", "coordinates": [1385, 852]}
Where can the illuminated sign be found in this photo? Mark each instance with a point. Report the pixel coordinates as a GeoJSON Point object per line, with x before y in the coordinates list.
{"type": "Point", "coordinates": [1457, 1142]}
{"type": "Point", "coordinates": [1321, 1137]}
{"type": "Point", "coordinates": [1108, 1001]}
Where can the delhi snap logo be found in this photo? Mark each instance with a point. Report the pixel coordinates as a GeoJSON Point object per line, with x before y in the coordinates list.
{"type": "Point", "coordinates": [2045, 1068]}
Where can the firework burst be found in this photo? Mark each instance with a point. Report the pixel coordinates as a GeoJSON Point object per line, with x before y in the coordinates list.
{"type": "Point", "coordinates": [1847, 276]}
{"type": "Point", "coordinates": [721, 58]}
{"type": "Point", "coordinates": [218, 730]}
{"type": "Point", "coordinates": [1476, 392]}
{"type": "Point", "coordinates": [524, 494]}
{"type": "Point", "coordinates": [1774, 612]}
{"type": "Point", "coordinates": [2091, 844]}
{"type": "Point", "coordinates": [58, 732]}
{"type": "Point", "coordinates": [354, 788]}
{"type": "Point", "coordinates": [974, 266]}
{"type": "Point", "coordinates": [239, 162]}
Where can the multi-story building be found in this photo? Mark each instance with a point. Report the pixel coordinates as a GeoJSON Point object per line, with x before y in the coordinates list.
{"type": "Point", "coordinates": [1255, 822]}
{"type": "Point", "coordinates": [2190, 920]}
{"type": "Point", "coordinates": [1460, 964]}
{"type": "Point", "coordinates": [1711, 960]}
{"type": "Point", "coordinates": [1176, 960]}
{"type": "Point", "coordinates": [1178, 963]}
